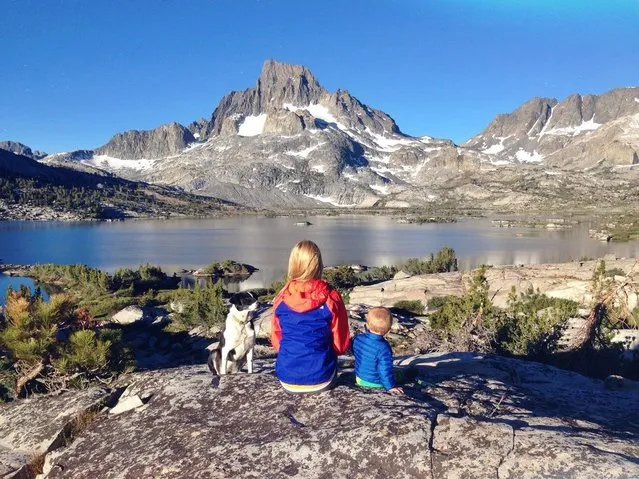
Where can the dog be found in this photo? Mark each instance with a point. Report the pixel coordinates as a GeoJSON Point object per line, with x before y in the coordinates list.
{"type": "Point", "coordinates": [237, 340]}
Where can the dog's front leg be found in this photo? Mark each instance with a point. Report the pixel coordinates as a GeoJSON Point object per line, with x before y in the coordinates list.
{"type": "Point", "coordinates": [249, 361]}
{"type": "Point", "coordinates": [223, 360]}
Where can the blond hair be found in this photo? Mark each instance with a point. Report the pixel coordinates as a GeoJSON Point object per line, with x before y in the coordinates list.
{"type": "Point", "coordinates": [305, 262]}
{"type": "Point", "coordinates": [379, 320]}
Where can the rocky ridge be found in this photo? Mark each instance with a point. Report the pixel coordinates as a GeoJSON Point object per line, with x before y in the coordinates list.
{"type": "Point", "coordinates": [286, 141]}
{"type": "Point", "coordinates": [466, 415]}
{"type": "Point", "coordinates": [289, 142]}
{"type": "Point", "coordinates": [578, 132]}
{"type": "Point", "coordinates": [20, 149]}
{"type": "Point", "coordinates": [166, 140]}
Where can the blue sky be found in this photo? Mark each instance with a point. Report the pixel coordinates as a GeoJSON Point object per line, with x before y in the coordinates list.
{"type": "Point", "coordinates": [74, 72]}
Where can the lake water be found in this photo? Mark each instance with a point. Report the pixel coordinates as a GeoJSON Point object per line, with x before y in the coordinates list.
{"type": "Point", "coordinates": [266, 243]}
{"type": "Point", "coordinates": [15, 283]}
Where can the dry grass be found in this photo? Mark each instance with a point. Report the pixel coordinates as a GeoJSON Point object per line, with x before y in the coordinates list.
{"type": "Point", "coordinates": [78, 425]}
{"type": "Point", "coordinates": [35, 465]}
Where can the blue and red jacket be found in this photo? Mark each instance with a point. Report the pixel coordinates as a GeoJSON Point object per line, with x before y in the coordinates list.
{"type": "Point", "coordinates": [309, 330]}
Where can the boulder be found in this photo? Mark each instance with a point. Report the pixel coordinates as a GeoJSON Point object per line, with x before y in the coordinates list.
{"type": "Point", "coordinates": [248, 426]}
{"type": "Point", "coordinates": [34, 426]}
{"type": "Point", "coordinates": [129, 315]}
{"type": "Point", "coordinates": [127, 404]}
{"type": "Point", "coordinates": [466, 416]}
{"type": "Point", "coordinates": [262, 323]}
{"type": "Point", "coordinates": [564, 280]}
{"type": "Point", "coordinates": [401, 275]}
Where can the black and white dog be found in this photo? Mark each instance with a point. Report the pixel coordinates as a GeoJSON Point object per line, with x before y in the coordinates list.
{"type": "Point", "coordinates": [237, 340]}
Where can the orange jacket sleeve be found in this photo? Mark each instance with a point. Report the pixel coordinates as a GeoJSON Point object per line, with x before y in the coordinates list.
{"type": "Point", "coordinates": [276, 330]}
{"type": "Point", "coordinates": [339, 326]}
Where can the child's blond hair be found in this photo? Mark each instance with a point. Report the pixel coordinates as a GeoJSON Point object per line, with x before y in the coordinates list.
{"type": "Point", "coordinates": [379, 320]}
{"type": "Point", "coordinates": [305, 262]}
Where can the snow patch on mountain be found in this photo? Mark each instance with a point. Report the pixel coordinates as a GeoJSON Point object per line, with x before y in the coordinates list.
{"type": "Point", "coordinates": [305, 152]}
{"type": "Point", "coordinates": [527, 157]}
{"type": "Point", "coordinates": [252, 125]}
{"type": "Point", "coordinates": [589, 125]}
{"type": "Point", "coordinates": [389, 144]}
{"type": "Point", "coordinates": [382, 190]}
{"type": "Point", "coordinates": [193, 146]}
{"type": "Point", "coordinates": [329, 200]}
{"type": "Point", "coordinates": [110, 163]}
{"type": "Point", "coordinates": [318, 111]}
{"type": "Point", "coordinates": [497, 147]}
{"type": "Point", "coordinates": [545, 128]}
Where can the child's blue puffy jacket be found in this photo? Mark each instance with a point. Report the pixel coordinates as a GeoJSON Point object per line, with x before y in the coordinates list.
{"type": "Point", "coordinates": [373, 359]}
{"type": "Point", "coordinates": [309, 330]}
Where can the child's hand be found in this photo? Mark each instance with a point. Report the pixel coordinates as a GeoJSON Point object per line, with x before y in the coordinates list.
{"type": "Point", "coordinates": [396, 390]}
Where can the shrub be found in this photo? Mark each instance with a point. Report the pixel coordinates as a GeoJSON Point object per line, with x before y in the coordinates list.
{"type": "Point", "coordinates": [381, 273]}
{"type": "Point", "coordinates": [412, 306]}
{"type": "Point", "coordinates": [124, 278]}
{"type": "Point", "coordinates": [472, 307]}
{"type": "Point", "coordinates": [442, 262]}
{"type": "Point", "coordinates": [201, 306]}
{"type": "Point", "coordinates": [84, 352]}
{"type": "Point", "coordinates": [611, 273]}
{"type": "Point", "coordinates": [227, 267]}
{"type": "Point", "coordinates": [437, 302]}
{"type": "Point", "coordinates": [76, 276]}
{"type": "Point", "coordinates": [534, 323]}
{"type": "Point", "coordinates": [340, 277]}
{"type": "Point", "coordinates": [50, 342]}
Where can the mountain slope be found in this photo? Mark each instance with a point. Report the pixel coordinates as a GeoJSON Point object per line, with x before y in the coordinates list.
{"type": "Point", "coordinates": [288, 143]}
{"type": "Point", "coordinates": [20, 149]}
{"type": "Point", "coordinates": [579, 132]}
{"type": "Point", "coordinates": [285, 142]}
{"type": "Point", "coordinates": [27, 184]}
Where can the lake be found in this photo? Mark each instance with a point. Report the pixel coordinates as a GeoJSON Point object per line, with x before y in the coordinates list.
{"type": "Point", "coordinates": [15, 283]}
{"type": "Point", "coordinates": [266, 243]}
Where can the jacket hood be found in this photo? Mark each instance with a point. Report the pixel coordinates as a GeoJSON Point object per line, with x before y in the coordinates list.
{"type": "Point", "coordinates": [302, 296]}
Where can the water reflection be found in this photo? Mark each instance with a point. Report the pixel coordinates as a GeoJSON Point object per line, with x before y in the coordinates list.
{"type": "Point", "coordinates": [266, 243]}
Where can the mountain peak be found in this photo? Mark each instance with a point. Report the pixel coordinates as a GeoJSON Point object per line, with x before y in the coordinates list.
{"type": "Point", "coordinates": [21, 149]}
{"type": "Point", "coordinates": [282, 83]}
{"type": "Point", "coordinates": [162, 141]}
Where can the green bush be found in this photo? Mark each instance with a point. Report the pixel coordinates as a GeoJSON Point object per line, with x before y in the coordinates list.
{"type": "Point", "coordinates": [340, 277]}
{"type": "Point", "coordinates": [437, 302]}
{"type": "Point", "coordinates": [442, 262]}
{"type": "Point", "coordinates": [124, 278]}
{"type": "Point", "coordinates": [381, 273]}
{"type": "Point", "coordinates": [534, 323]}
{"type": "Point", "coordinates": [50, 341]}
{"type": "Point", "coordinates": [227, 267]}
{"type": "Point", "coordinates": [84, 353]}
{"type": "Point", "coordinates": [455, 311]}
{"type": "Point", "coordinates": [412, 306]}
{"type": "Point", "coordinates": [200, 306]}
{"type": "Point", "coordinates": [611, 273]}
{"type": "Point", "coordinates": [73, 276]}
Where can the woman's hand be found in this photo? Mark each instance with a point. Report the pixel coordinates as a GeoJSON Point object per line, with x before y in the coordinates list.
{"type": "Point", "coordinates": [396, 390]}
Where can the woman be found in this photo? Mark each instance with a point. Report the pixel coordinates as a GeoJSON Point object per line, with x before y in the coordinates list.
{"type": "Point", "coordinates": [310, 324]}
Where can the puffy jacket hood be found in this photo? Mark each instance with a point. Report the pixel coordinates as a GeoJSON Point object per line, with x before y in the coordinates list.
{"type": "Point", "coordinates": [303, 296]}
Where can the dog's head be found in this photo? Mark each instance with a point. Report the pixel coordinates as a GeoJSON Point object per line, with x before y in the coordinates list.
{"type": "Point", "coordinates": [243, 305]}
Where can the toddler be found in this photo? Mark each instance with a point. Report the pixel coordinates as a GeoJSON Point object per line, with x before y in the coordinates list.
{"type": "Point", "coordinates": [373, 354]}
